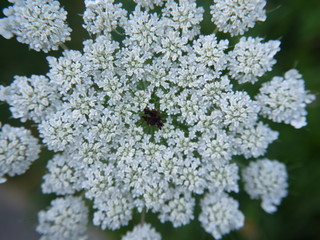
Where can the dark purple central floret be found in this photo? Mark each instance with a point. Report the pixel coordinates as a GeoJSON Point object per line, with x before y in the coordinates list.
{"type": "Point", "coordinates": [152, 117]}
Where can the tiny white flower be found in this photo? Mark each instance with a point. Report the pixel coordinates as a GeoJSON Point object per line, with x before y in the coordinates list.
{"type": "Point", "coordinates": [184, 16]}
{"type": "Point", "coordinates": [149, 4]}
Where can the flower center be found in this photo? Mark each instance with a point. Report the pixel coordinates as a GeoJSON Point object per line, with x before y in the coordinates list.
{"type": "Point", "coordinates": [152, 117]}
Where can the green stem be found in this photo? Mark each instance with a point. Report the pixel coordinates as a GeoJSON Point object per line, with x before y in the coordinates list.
{"type": "Point", "coordinates": [239, 163]}
{"type": "Point", "coordinates": [63, 46]}
{"type": "Point", "coordinates": [143, 216]}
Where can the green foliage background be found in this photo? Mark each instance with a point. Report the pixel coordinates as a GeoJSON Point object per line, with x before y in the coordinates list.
{"type": "Point", "coordinates": [297, 24]}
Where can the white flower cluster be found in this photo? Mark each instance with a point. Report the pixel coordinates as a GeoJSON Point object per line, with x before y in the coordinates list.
{"type": "Point", "coordinates": [266, 180]}
{"type": "Point", "coordinates": [149, 4]}
{"type": "Point", "coordinates": [251, 59]}
{"type": "Point", "coordinates": [18, 150]}
{"type": "Point", "coordinates": [220, 214]}
{"type": "Point", "coordinates": [142, 232]}
{"type": "Point", "coordinates": [39, 23]}
{"type": "Point", "coordinates": [30, 98]}
{"type": "Point", "coordinates": [285, 99]}
{"type": "Point", "coordinates": [66, 219]}
{"type": "Point", "coordinates": [61, 179]}
{"type": "Point", "coordinates": [237, 16]}
{"type": "Point", "coordinates": [147, 117]}
{"type": "Point", "coordinates": [103, 16]}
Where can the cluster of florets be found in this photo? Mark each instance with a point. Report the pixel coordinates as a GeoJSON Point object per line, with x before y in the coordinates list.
{"type": "Point", "coordinates": [237, 16]}
{"type": "Point", "coordinates": [267, 180]}
{"type": "Point", "coordinates": [147, 117]}
{"type": "Point", "coordinates": [39, 23]}
{"type": "Point", "coordinates": [18, 150]}
{"type": "Point", "coordinates": [145, 232]}
{"type": "Point", "coordinates": [285, 100]}
{"type": "Point", "coordinates": [67, 218]}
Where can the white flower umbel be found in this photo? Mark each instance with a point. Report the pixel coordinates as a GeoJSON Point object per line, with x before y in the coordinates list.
{"type": "Point", "coordinates": [253, 142]}
{"type": "Point", "coordinates": [18, 150]}
{"type": "Point", "coordinates": [99, 53]}
{"type": "Point", "coordinates": [266, 180]}
{"type": "Point", "coordinates": [114, 209]}
{"type": "Point", "coordinates": [67, 71]}
{"type": "Point", "coordinates": [39, 23]}
{"type": "Point", "coordinates": [30, 98]}
{"type": "Point", "coordinates": [184, 16]}
{"type": "Point", "coordinates": [149, 4]}
{"type": "Point", "coordinates": [251, 59]}
{"type": "Point", "coordinates": [66, 219]}
{"type": "Point", "coordinates": [220, 214]}
{"type": "Point", "coordinates": [142, 29]}
{"type": "Point", "coordinates": [103, 16]}
{"type": "Point", "coordinates": [150, 115]}
{"type": "Point", "coordinates": [239, 111]}
{"type": "Point", "coordinates": [284, 99]}
{"type": "Point", "coordinates": [57, 131]}
{"type": "Point", "coordinates": [142, 232]}
{"type": "Point", "coordinates": [237, 16]}
{"type": "Point", "coordinates": [179, 209]}
{"type": "Point", "coordinates": [61, 178]}
{"type": "Point", "coordinates": [222, 178]}
{"type": "Point", "coordinates": [211, 52]}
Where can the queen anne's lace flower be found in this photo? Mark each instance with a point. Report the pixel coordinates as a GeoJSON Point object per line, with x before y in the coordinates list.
{"type": "Point", "coordinates": [66, 219]}
{"type": "Point", "coordinates": [285, 99]}
{"type": "Point", "coordinates": [18, 149]}
{"type": "Point", "coordinates": [149, 117]}
{"type": "Point", "coordinates": [237, 16]}
{"type": "Point", "coordinates": [142, 232]}
{"type": "Point", "coordinates": [266, 180]}
{"type": "Point", "coordinates": [57, 131]}
{"type": "Point", "coordinates": [172, 45]}
{"type": "Point", "coordinates": [217, 148]}
{"type": "Point", "coordinates": [39, 23]}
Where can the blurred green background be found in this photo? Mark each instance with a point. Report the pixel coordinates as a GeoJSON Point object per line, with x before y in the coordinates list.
{"type": "Point", "coordinates": [297, 24]}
